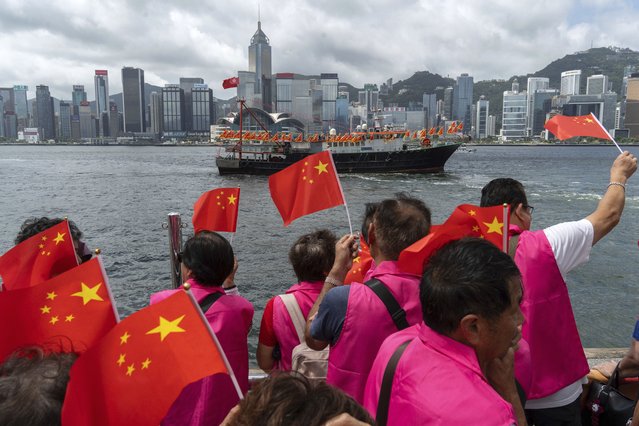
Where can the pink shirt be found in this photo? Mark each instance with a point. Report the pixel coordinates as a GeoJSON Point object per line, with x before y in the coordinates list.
{"type": "Point", "coordinates": [438, 381]}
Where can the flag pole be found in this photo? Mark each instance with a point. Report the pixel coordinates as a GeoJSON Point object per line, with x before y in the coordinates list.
{"type": "Point", "coordinates": [505, 232]}
{"type": "Point", "coordinates": [217, 342]}
{"type": "Point", "coordinates": [341, 190]}
{"type": "Point", "coordinates": [609, 135]}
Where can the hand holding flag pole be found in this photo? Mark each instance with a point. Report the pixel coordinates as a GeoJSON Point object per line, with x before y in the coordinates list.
{"type": "Point", "coordinates": [609, 136]}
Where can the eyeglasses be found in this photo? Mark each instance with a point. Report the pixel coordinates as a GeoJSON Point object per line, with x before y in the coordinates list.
{"type": "Point", "coordinates": [530, 209]}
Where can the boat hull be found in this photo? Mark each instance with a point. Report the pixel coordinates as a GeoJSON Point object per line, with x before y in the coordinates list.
{"type": "Point", "coordinates": [427, 160]}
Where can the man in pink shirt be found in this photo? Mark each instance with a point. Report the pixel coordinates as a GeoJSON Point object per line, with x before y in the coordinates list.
{"type": "Point", "coordinates": [457, 366]}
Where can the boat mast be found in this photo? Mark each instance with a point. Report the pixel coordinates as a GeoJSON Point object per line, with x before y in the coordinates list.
{"type": "Point", "coordinates": [240, 142]}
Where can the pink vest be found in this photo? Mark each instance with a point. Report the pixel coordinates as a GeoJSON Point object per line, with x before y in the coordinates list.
{"type": "Point", "coordinates": [367, 324]}
{"type": "Point", "coordinates": [438, 381]}
{"type": "Point", "coordinates": [557, 357]}
{"type": "Point", "coordinates": [208, 401]}
{"type": "Point", "coordinates": [306, 294]}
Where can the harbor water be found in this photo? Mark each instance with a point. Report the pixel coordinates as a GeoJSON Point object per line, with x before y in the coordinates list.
{"type": "Point", "coordinates": [120, 196]}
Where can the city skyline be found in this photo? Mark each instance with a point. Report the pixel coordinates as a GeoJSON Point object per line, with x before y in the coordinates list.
{"type": "Point", "coordinates": [364, 42]}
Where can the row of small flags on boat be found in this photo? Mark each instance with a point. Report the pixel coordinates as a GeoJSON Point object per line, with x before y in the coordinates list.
{"type": "Point", "coordinates": [454, 127]}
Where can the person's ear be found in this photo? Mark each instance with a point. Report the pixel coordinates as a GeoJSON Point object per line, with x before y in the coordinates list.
{"type": "Point", "coordinates": [520, 212]}
{"type": "Point", "coordinates": [470, 328]}
{"type": "Point", "coordinates": [372, 238]}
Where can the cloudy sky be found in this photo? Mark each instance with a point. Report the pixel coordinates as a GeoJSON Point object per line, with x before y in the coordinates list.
{"type": "Point", "coordinates": [60, 43]}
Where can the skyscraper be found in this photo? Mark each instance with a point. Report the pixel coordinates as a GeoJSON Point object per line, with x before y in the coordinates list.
{"type": "Point", "coordinates": [260, 63]}
{"type": "Point", "coordinates": [133, 104]}
{"type": "Point", "coordinates": [596, 84]}
{"type": "Point", "coordinates": [101, 80]}
{"type": "Point", "coordinates": [44, 113]}
{"type": "Point", "coordinates": [65, 121]}
{"type": "Point", "coordinates": [78, 95]}
{"type": "Point", "coordinates": [513, 122]}
{"type": "Point", "coordinates": [202, 111]}
{"type": "Point", "coordinates": [448, 103]}
{"type": "Point", "coordinates": [114, 120]}
{"type": "Point", "coordinates": [22, 109]}
{"type": "Point", "coordinates": [186, 84]}
{"type": "Point", "coordinates": [632, 105]}
{"type": "Point", "coordinates": [481, 127]}
{"type": "Point", "coordinates": [329, 83]}
{"type": "Point", "coordinates": [462, 100]}
{"type": "Point", "coordinates": [534, 84]}
{"type": "Point", "coordinates": [9, 99]}
{"type": "Point", "coordinates": [429, 101]}
{"type": "Point", "coordinates": [156, 112]}
{"type": "Point", "coordinates": [570, 81]}
{"type": "Point", "coordinates": [87, 122]}
{"type": "Point", "coordinates": [172, 109]}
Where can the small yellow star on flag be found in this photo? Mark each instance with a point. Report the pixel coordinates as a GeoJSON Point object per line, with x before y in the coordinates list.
{"type": "Point", "coordinates": [146, 363]}
{"type": "Point", "coordinates": [51, 295]}
{"type": "Point", "coordinates": [167, 327]}
{"type": "Point", "coordinates": [60, 238]}
{"type": "Point", "coordinates": [125, 338]}
{"type": "Point", "coordinates": [232, 199]}
{"type": "Point", "coordinates": [45, 309]}
{"type": "Point", "coordinates": [130, 369]}
{"type": "Point", "coordinates": [54, 319]}
{"type": "Point", "coordinates": [494, 226]}
{"type": "Point", "coordinates": [321, 167]}
{"type": "Point", "coordinates": [475, 228]}
{"type": "Point", "coordinates": [89, 293]}
{"type": "Point", "coordinates": [121, 360]}
{"type": "Point", "coordinates": [69, 318]}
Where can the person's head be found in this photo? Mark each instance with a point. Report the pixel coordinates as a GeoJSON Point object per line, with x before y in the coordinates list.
{"type": "Point", "coordinates": [369, 214]}
{"type": "Point", "coordinates": [508, 191]}
{"type": "Point", "coordinates": [35, 225]}
{"type": "Point", "coordinates": [398, 223]}
{"type": "Point", "coordinates": [32, 387]}
{"type": "Point", "coordinates": [312, 255]}
{"type": "Point", "coordinates": [291, 399]}
{"type": "Point", "coordinates": [470, 291]}
{"type": "Point", "coordinates": [208, 258]}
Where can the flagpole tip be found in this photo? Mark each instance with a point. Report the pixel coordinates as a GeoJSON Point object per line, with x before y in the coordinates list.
{"type": "Point", "coordinates": [97, 251]}
{"type": "Point", "coordinates": [186, 286]}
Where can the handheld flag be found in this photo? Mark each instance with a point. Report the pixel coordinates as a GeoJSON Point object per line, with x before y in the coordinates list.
{"type": "Point", "coordinates": [306, 187]}
{"type": "Point", "coordinates": [361, 264]}
{"type": "Point", "coordinates": [38, 258]}
{"type": "Point", "coordinates": [70, 312]}
{"type": "Point", "coordinates": [230, 82]}
{"type": "Point", "coordinates": [566, 127]}
{"type": "Point", "coordinates": [133, 375]}
{"type": "Point", "coordinates": [216, 210]}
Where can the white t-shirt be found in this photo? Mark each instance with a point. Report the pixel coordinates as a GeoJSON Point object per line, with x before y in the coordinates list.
{"type": "Point", "coordinates": [571, 243]}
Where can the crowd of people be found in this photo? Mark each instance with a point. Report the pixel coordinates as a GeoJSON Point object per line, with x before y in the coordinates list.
{"type": "Point", "coordinates": [482, 337]}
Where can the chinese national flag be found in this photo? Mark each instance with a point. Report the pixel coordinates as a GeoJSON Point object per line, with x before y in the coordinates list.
{"type": "Point", "coordinates": [38, 258]}
{"type": "Point", "coordinates": [566, 127]}
{"type": "Point", "coordinates": [361, 264]}
{"type": "Point", "coordinates": [452, 128]}
{"type": "Point", "coordinates": [216, 210]}
{"type": "Point", "coordinates": [306, 187]}
{"type": "Point", "coordinates": [466, 221]}
{"type": "Point", "coordinates": [67, 313]}
{"type": "Point", "coordinates": [135, 373]}
{"type": "Point", "coordinates": [230, 82]}
{"type": "Point", "coordinates": [432, 131]}
{"type": "Point", "coordinates": [460, 127]}
{"type": "Point", "coordinates": [441, 131]}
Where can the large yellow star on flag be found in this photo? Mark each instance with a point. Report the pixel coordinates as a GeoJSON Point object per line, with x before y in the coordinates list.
{"type": "Point", "coordinates": [167, 327]}
{"type": "Point", "coordinates": [321, 168]}
{"type": "Point", "coordinates": [494, 226]}
{"type": "Point", "coordinates": [232, 199]}
{"type": "Point", "coordinates": [89, 293]}
{"type": "Point", "coordinates": [59, 238]}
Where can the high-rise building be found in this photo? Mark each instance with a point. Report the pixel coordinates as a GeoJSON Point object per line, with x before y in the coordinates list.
{"type": "Point", "coordinates": [284, 92]}
{"type": "Point", "coordinates": [538, 109]}
{"type": "Point", "coordinates": [596, 84]}
{"type": "Point", "coordinates": [133, 104]}
{"type": "Point", "coordinates": [202, 108]}
{"type": "Point", "coordinates": [101, 81]}
{"type": "Point", "coordinates": [156, 112]}
{"type": "Point", "coordinates": [186, 84]}
{"type": "Point", "coordinates": [9, 99]}
{"type": "Point", "coordinates": [260, 63]}
{"type": "Point", "coordinates": [429, 101]}
{"type": "Point", "coordinates": [172, 109]}
{"type": "Point", "coordinates": [21, 107]}
{"type": "Point", "coordinates": [448, 103]}
{"type": "Point", "coordinates": [114, 120]}
{"type": "Point", "coordinates": [87, 122]}
{"type": "Point", "coordinates": [481, 127]}
{"type": "Point", "coordinates": [570, 81]}
{"type": "Point", "coordinates": [513, 121]}
{"type": "Point", "coordinates": [463, 100]}
{"type": "Point", "coordinates": [329, 83]}
{"type": "Point", "coordinates": [534, 84]}
{"type": "Point", "coordinates": [1, 117]}
{"type": "Point", "coordinates": [65, 121]}
{"type": "Point", "coordinates": [246, 89]}
{"type": "Point", "coordinates": [490, 125]}
{"type": "Point", "coordinates": [44, 113]}
{"type": "Point", "coordinates": [369, 98]}
{"type": "Point", "coordinates": [631, 120]}
{"type": "Point", "coordinates": [10, 125]}
{"type": "Point", "coordinates": [78, 95]}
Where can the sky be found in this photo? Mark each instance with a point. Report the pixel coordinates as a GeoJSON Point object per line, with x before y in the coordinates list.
{"type": "Point", "coordinates": [60, 43]}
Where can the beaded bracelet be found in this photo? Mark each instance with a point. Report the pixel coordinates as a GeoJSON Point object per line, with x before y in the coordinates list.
{"type": "Point", "coordinates": [332, 282]}
{"type": "Point", "coordinates": [623, 185]}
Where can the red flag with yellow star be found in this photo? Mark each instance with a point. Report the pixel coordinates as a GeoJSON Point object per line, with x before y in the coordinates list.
{"type": "Point", "coordinates": [306, 187]}
{"type": "Point", "coordinates": [466, 220]}
{"type": "Point", "coordinates": [38, 258]}
{"type": "Point", "coordinates": [361, 264]}
{"type": "Point", "coordinates": [134, 374]}
{"type": "Point", "coordinates": [566, 127]}
{"type": "Point", "coordinates": [216, 210]}
{"type": "Point", "coordinates": [67, 313]}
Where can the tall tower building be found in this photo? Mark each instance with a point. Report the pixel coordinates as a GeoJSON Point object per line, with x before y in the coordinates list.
{"type": "Point", "coordinates": [570, 81]}
{"type": "Point", "coordinates": [22, 109]}
{"type": "Point", "coordinates": [78, 95]}
{"type": "Point", "coordinates": [632, 105]}
{"type": "Point", "coordinates": [156, 112]}
{"type": "Point", "coordinates": [448, 102]}
{"type": "Point", "coordinates": [114, 120]}
{"type": "Point", "coordinates": [65, 121]}
{"type": "Point", "coordinates": [260, 63]}
{"type": "Point", "coordinates": [202, 108]}
{"type": "Point", "coordinates": [172, 109]}
{"type": "Point", "coordinates": [463, 99]}
{"type": "Point", "coordinates": [534, 84]}
{"type": "Point", "coordinates": [329, 83]}
{"type": "Point", "coordinates": [597, 84]}
{"type": "Point", "coordinates": [101, 81]}
{"type": "Point", "coordinates": [481, 122]}
{"type": "Point", "coordinates": [44, 113]}
{"type": "Point", "coordinates": [187, 84]}
{"type": "Point", "coordinates": [133, 104]}
{"type": "Point", "coordinates": [429, 101]}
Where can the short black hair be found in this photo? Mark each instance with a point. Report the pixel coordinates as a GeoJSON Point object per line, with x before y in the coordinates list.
{"type": "Point", "coordinates": [210, 258]}
{"type": "Point", "coordinates": [369, 214]}
{"type": "Point", "coordinates": [312, 255]}
{"type": "Point", "coordinates": [503, 190]}
{"type": "Point", "coordinates": [35, 225]}
{"type": "Point", "coordinates": [400, 222]}
{"type": "Point", "coordinates": [467, 276]}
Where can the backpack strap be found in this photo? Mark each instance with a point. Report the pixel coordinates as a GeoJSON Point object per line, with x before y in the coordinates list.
{"type": "Point", "coordinates": [209, 300]}
{"type": "Point", "coordinates": [387, 385]}
{"type": "Point", "coordinates": [396, 312]}
{"type": "Point", "coordinates": [295, 313]}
